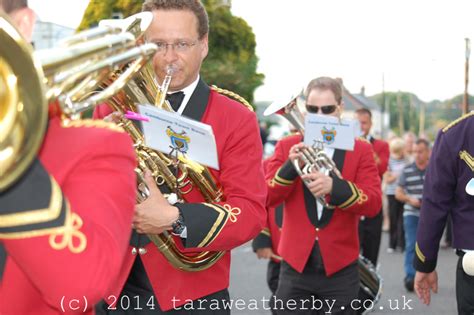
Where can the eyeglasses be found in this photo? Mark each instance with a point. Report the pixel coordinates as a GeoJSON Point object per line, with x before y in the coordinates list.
{"type": "Point", "coordinates": [326, 109]}
{"type": "Point", "coordinates": [180, 47]}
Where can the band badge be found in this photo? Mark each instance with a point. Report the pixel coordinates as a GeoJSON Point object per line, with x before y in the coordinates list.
{"type": "Point", "coordinates": [328, 135]}
{"type": "Point", "coordinates": [179, 141]}
{"type": "Point", "coordinates": [469, 160]}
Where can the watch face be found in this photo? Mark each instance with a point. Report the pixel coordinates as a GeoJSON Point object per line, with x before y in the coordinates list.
{"type": "Point", "coordinates": [178, 228]}
{"type": "Point", "coordinates": [178, 225]}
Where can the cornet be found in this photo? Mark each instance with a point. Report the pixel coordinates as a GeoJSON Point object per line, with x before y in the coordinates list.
{"type": "Point", "coordinates": [313, 158]}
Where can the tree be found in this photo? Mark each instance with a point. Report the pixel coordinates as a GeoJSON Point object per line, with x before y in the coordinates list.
{"type": "Point", "coordinates": [410, 105]}
{"type": "Point", "coordinates": [104, 9]}
{"type": "Point", "coordinates": [231, 63]}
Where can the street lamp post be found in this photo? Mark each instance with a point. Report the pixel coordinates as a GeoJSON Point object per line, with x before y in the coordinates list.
{"type": "Point", "coordinates": [465, 107]}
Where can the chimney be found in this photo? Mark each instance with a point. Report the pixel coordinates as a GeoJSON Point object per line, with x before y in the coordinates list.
{"type": "Point", "coordinates": [362, 90]}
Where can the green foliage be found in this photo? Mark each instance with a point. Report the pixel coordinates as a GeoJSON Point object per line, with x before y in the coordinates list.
{"type": "Point", "coordinates": [437, 113]}
{"type": "Point", "coordinates": [231, 63]}
{"type": "Point", "coordinates": [410, 110]}
{"type": "Point", "coordinates": [103, 9]}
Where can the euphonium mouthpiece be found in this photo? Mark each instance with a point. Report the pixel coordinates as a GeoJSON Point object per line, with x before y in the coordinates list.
{"type": "Point", "coordinates": [170, 69]}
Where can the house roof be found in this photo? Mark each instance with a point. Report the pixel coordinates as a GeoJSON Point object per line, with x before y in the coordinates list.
{"type": "Point", "coordinates": [356, 101]}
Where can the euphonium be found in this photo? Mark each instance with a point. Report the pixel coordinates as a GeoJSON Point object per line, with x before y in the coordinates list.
{"type": "Point", "coordinates": [313, 158]}
{"type": "Point", "coordinates": [144, 89]}
{"type": "Point", "coordinates": [29, 81]}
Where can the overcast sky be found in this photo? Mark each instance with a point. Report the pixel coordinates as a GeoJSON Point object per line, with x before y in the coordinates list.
{"type": "Point", "coordinates": [415, 45]}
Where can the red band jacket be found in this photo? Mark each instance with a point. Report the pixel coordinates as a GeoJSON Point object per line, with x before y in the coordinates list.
{"type": "Point", "coordinates": [357, 193]}
{"type": "Point", "coordinates": [269, 237]}
{"type": "Point", "coordinates": [65, 226]}
{"type": "Point", "coordinates": [382, 154]}
{"type": "Point", "coordinates": [211, 226]}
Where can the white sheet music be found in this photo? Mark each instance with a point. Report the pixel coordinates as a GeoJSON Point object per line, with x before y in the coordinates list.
{"type": "Point", "coordinates": [334, 133]}
{"type": "Point", "coordinates": [167, 131]}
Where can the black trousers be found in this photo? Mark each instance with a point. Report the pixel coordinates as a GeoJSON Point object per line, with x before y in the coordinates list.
{"type": "Point", "coordinates": [464, 290]}
{"type": "Point", "coordinates": [127, 304]}
{"type": "Point", "coordinates": [395, 213]}
{"type": "Point", "coordinates": [273, 276]}
{"type": "Point", "coordinates": [314, 293]}
{"type": "Point", "coordinates": [370, 233]}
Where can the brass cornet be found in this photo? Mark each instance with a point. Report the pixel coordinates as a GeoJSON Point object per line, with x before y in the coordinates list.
{"type": "Point", "coordinates": [313, 158]}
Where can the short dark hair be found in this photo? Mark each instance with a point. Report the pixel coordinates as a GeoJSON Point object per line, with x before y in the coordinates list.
{"type": "Point", "coordinates": [365, 111]}
{"type": "Point", "coordinates": [326, 83]}
{"type": "Point", "coordinates": [194, 6]}
{"type": "Point", "coordinates": [11, 5]}
{"type": "Point", "coordinates": [423, 141]}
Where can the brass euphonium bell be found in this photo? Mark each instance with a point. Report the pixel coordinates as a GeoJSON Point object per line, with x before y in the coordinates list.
{"type": "Point", "coordinates": [23, 107]}
{"type": "Point", "coordinates": [313, 158]}
{"type": "Point", "coordinates": [144, 89]}
{"type": "Point", "coordinates": [29, 81]}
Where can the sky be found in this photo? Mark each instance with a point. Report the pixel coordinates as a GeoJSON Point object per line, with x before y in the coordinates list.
{"type": "Point", "coordinates": [393, 45]}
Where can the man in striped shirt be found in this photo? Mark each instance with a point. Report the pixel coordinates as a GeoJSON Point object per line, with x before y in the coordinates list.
{"type": "Point", "coordinates": [410, 192]}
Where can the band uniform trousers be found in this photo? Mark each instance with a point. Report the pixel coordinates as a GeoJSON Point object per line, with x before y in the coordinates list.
{"type": "Point", "coordinates": [341, 288]}
{"type": "Point", "coordinates": [273, 276]}
{"type": "Point", "coordinates": [212, 304]}
{"type": "Point", "coordinates": [464, 289]}
{"type": "Point", "coordinates": [370, 234]}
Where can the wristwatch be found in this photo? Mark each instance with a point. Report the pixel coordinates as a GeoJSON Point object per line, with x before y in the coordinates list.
{"type": "Point", "coordinates": [178, 226]}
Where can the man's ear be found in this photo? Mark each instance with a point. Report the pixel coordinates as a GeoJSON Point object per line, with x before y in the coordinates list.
{"type": "Point", "coordinates": [340, 109]}
{"type": "Point", "coordinates": [24, 20]}
{"type": "Point", "coordinates": [205, 49]}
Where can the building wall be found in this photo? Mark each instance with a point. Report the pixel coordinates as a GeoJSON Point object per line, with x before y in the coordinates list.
{"type": "Point", "coordinates": [47, 34]}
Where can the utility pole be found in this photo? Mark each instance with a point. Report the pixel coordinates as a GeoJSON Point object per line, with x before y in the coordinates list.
{"type": "Point", "coordinates": [382, 118]}
{"type": "Point", "coordinates": [421, 132]}
{"type": "Point", "coordinates": [465, 105]}
{"type": "Point", "coordinates": [400, 114]}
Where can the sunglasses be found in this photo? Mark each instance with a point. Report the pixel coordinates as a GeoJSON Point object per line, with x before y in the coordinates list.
{"type": "Point", "coordinates": [326, 109]}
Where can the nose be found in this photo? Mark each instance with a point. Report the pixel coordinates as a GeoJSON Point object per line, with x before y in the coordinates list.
{"type": "Point", "coordinates": [170, 55]}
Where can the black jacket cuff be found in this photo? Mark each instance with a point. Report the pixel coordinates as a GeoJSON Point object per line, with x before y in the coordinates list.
{"type": "Point", "coordinates": [33, 205]}
{"type": "Point", "coordinates": [263, 240]}
{"type": "Point", "coordinates": [286, 174]}
{"type": "Point", "coordinates": [421, 263]}
{"type": "Point", "coordinates": [203, 221]}
{"type": "Point", "coordinates": [344, 193]}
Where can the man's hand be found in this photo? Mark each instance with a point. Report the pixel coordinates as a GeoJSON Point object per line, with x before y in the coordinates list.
{"type": "Point", "coordinates": [424, 283]}
{"type": "Point", "coordinates": [295, 153]}
{"type": "Point", "coordinates": [265, 253]}
{"type": "Point", "coordinates": [414, 202]}
{"type": "Point", "coordinates": [319, 184]}
{"type": "Point", "coordinates": [155, 214]}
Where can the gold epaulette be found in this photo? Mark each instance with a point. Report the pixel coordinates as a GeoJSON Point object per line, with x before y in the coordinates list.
{"type": "Point", "coordinates": [233, 95]}
{"type": "Point", "coordinates": [457, 121]}
{"type": "Point", "coordinates": [91, 123]}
